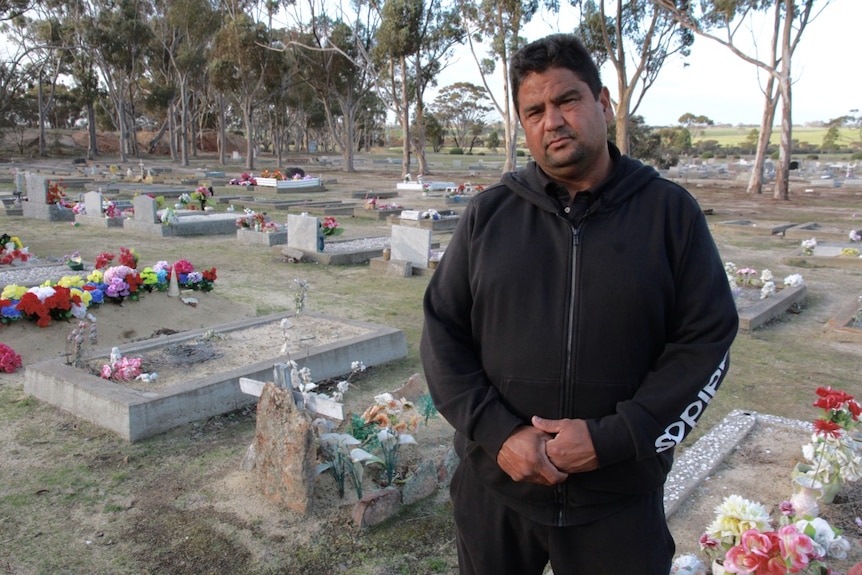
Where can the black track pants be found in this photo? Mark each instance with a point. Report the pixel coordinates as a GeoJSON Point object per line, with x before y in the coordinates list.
{"type": "Point", "coordinates": [494, 540]}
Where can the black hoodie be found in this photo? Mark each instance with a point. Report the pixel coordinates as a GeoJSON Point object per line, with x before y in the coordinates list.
{"type": "Point", "coordinates": [624, 319]}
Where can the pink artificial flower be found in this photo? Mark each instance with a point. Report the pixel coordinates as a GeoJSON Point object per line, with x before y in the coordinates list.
{"type": "Point", "coordinates": [796, 547]}
{"type": "Point", "coordinates": [106, 371]}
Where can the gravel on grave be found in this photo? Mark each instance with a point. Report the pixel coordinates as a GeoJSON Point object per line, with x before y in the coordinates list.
{"type": "Point", "coordinates": [34, 272]}
{"type": "Point", "coordinates": [358, 245]}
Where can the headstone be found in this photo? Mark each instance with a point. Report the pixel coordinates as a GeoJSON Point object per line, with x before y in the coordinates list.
{"type": "Point", "coordinates": [146, 209]}
{"type": "Point", "coordinates": [37, 188]}
{"type": "Point", "coordinates": [20, 183]}
{"type": "Point", "coordinates": [411, 244]}
{"type": "Point", "coordinates": [303, 232]}
{"type": "Point", "coordinates": [93, 203]}
{"type": "Point", "coordinates": [235, 156]}
{"type": "Point", "coordinates": [285, 450]}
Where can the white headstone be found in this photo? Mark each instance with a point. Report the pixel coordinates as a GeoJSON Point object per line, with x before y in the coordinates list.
{"type": "Point", "coordinates": [93, 203]}
{"type": "Point", "coordinates": [411, 244]}
{"type": "Point", "coordinates": [303, 232]}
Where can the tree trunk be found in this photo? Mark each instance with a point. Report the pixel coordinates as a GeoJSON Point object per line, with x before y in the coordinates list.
{"type": "Point", "coordinates": [755, 180]}
{"type": "Point", "coordinates": [40, 95]}
{"type": "Point", "coordinates": [248, 122]}
{"type": "Point", "coordinates": [222, 132]}
{"type": "Point", "coordinates": [93, 145]}
{"type": "Point", "coordinates": [782, 172]}
{"type": "Point", "coordinates": [405, 121]}
{"type": "Point", "coordinates": [172, 123]}
{"type": "Point", "coordinates": [184, 121]}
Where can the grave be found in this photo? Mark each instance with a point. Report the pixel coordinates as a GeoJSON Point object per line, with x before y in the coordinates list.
{"type": "Point", "coordinates": [94, 215]}
{"type": "Point", "coordinates": [148, 218]}
{"type": "Point", "coordinates": [135, 415]}
{"type": "Point", "coordinates": [411, 253]}
{"type": "Point", "coordinates": [286, 186]}
{"type": "Point", "coordinates": [368, 194]}
{"type": "Point", "coordinates": [767, 309]}
{"type": "Point", "coordinates": [827, 254]}
{"type": "Point", "coordinates": [846, 324]}
{"type": "Point", "coordinates": [305, 239]}
{"type": "Point", "coordinates": [756, 227]}
{"type": "Point", "coordinates": [424, 186]}
{"type": "Point", "coordinates": [821, 232]}
{"type": "Point", "coordinates": [448, 220]}
{"type": "Point", "coordinates": [37, 206]}
{"type": "Point", "coordinates": [254, 237]}
{"type": "Point", "coordinates": [376, 213]}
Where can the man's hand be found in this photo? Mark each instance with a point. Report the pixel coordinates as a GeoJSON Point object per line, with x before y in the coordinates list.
{"type": "Point", "coordinates": [523, 457]}
{"type": "Point", "coordinates": [571, 449]}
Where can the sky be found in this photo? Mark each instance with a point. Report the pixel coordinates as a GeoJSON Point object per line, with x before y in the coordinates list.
{"type": "Point", "coordinates": [827, 71]}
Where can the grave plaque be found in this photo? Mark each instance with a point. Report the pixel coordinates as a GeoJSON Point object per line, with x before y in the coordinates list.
{"type": "Point", "coordinates": [145, 209]}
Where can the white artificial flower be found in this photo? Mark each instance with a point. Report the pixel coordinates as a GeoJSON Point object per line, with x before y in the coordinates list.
{"type": "Point", "coordinates": [767, 290]}
{"type": "Point", "coordinates": [730, 268]}
{"type": "Point", "coordinates": [687, 565]}
{"type": "Point", "coordinates": [766, 276]}
{"type": "Point", "coordinates": [826, 542]}
{"type": "Point", "coordinates": [854, 236]}
{"type": "Point", "coordinates": [793, 280]}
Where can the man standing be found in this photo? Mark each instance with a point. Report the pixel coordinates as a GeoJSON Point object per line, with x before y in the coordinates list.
{"type": "Point", "coordinates": [575, 330]}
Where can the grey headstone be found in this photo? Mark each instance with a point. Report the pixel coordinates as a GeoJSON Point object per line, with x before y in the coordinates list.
{"type": "Point", "coordinates": [302, 232]}
{"type": "Point", "coordinates": [93, 203]}
{"type": "Point", "coordinates": [411, 244]}
{"type": "Point", "coordinates": [145, 209]}
{"type": "Point", "coordinates": [37, 188]}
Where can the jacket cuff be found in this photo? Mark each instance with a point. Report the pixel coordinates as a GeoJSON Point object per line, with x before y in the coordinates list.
{"type": "Point", "coordinates": [611, 440]}
{"type": "Point", "coordinates": [494, 427]}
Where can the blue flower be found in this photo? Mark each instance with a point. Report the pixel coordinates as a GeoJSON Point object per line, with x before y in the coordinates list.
{"type": "Point", "coordinates": [10, 312]}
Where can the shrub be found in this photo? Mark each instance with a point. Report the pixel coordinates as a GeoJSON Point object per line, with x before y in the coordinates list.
{"type": "Point", "coordinates": [456, 151]}
{"type": "Point", "coordinates": [520, 153]}
{"type": "Point", "coordinates": [707, 155]}
{"type": "Point", "coordinates": [856, 156]}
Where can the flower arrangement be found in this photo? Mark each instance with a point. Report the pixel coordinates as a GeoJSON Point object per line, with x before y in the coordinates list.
{"type": "Point", "coordinates": [393, 418]}
{"type": "Point", "coordinates": [331, 227]}
{"type": "Point", "coordinates": [71, 296]}
{"type": "Point", "coordinates": [244, 180]}
{"type": "Point", "coordinates": [251, 219]}
{"type": "Point", "coordinates": [55, 193]}
{"type": "Point", "coordinates": [201, 195]}
{"type": "Point", "coordinates": [11, 249]}
{"type": "Point", "coordinates": [184, 199]}
{"type": "Point", "coordinates": [9, 360]}
{"type": "Point", "coordinates": [854, 236]}
{"type": "Point", "coordinates": [833, 453]}
{"type": "Point", "coordinates": [275, 174]}
{"type": "Point", "coordinates": [808, 246]}
{"type": "Point", "coordinates": [112, 211]}
{"type": "Point", "coordinates": [850, 252]}
{"type": "Point", "coordinates": [742, 539]}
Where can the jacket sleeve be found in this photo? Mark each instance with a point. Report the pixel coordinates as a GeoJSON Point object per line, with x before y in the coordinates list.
{"type": "Point", "coordinates": [450, 353]}
{"type": "Point", "coordinates": [694, 361]}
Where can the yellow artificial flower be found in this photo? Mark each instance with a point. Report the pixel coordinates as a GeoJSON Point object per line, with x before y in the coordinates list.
{"type": "Point", "coordinates": [95, 277]}
{"type": "Point", "coordinates": [13, 291]}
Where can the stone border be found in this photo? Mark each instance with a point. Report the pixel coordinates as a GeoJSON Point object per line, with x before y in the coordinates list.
{"type": "Point", "coordinates": [135, 415]}
{"type": "Point", "coordinates": [800, 259]}
{"type": "Point", "coordinates": [756, 227]}
{"type": "Point", "coordinates": [701, 459]}
{"type": "Point", "coordinates": [770, 308]}
{"type": "Point", "coordinates": [836, 328]}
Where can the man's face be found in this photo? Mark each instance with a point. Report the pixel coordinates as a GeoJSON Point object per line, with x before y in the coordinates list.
{"type": "Point", "coordinates": [565, 126]}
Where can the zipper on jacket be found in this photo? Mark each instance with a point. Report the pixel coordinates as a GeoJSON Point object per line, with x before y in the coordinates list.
{"type": "Point", "coordinates": [570, 346]}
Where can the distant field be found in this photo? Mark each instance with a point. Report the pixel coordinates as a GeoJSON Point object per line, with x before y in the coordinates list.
{"type": "Point", "coordinates": [737, 135]}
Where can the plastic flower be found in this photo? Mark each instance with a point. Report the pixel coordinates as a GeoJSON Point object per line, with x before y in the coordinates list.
{"type": "Point", "coordinates": [103, 259]}
{"type": "Point", "coordinates": [854, 236]}
{"type": "Point", "coordinates": [13, 291]}
{"type": "Point", "coordinates": [9, 360]}
{"type": "Point", "coordinates": [736, 515]}
{"type": "Point", "coordinates": [808, 246]}
{"type": "Point", "coordinates": [827, 542]}
{"type": "Point", "coordinates": [793, 280]}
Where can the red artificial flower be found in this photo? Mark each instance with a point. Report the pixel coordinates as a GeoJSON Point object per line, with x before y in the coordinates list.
{"type": "Point", "coordinates": [32, 306]}
{"type": "Point", "coordinates": [209, 275]}
{"type": "Point", "coordinates": [183, 267]}
{"type": "Point", "coordinates": [134, 280]}
{"type": "Point", "coordinates": [128, 258]}
{"type": "Point", "coordinates": [826, 427]}
{"type": "Point", "coordinates": [103, 259]}
{"type": "Point", "coordinates": [855, 409]}
{"type": "Point", "coordinates": [60, 300]}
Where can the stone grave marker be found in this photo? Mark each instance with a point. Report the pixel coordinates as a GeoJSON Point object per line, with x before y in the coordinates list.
{"type": "Point", "coordinates": [146, 209]}
{"type": "Point", "coordinates": [93, 203]}
{"type": "Point", "coordinates": [411, 244]}
{"type": "Point", "coordinates": [304, 233]}
{"type": "Point", "coordinates": [37, 189]}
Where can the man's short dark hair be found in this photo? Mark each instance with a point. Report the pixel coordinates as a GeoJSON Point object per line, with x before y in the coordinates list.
{"type": "Point", "coordinates": [554, 51]}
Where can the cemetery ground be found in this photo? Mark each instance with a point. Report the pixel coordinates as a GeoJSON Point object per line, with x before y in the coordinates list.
{"type": "Point", "coordinates": [74, 498]}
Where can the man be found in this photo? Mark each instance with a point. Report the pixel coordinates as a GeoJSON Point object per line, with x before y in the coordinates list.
{"type": "Point", "coordinates": [575, 330]}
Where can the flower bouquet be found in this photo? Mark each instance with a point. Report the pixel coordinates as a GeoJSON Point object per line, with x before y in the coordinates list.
{"type": "Point", "coordinates": [11, 249]}
{"type": "Point", "coordinates": [9, 360]}
{"type": "Point", "coordinates": [331, 227]}
{"type": "Point", "coordinates": [201, 195]}
{"type": "Point", "coordinates": [55, 194]}
{"type": "Point", "coordinates": [808, 246]}
{"type": "Point", "coordinates": [741, 539]}
{"type": "Point", "coordinates": [833, 454]}
{"type": "Point", "coordinates": [243, 180]}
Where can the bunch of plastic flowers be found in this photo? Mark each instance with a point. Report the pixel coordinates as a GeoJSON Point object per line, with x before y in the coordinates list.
{"type": "Point", "coordinates": [9, 360]}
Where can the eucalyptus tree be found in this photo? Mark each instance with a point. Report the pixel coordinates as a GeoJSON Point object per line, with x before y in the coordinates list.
{"type": "Point", "coordinates": [729, 22]}
{"type": "Point", "coordinates": [499, 22]}
{"type": "Point", "coordinates": [184, 32]}
{"type": "Point", "coordinates": [416, 39]}
{"type": "Point", "coordinates": [463, 107]}
{"type": "Point", "coordinates": [244, 66]}
{"type": "Point", "coordinates": [636, 37]}
{"type": "Point", "coordinates": [333, 58]}
{"type": "Point", "coordinates": [396, 39]}
{"type": "Point", "coordinates": [119, 40]}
